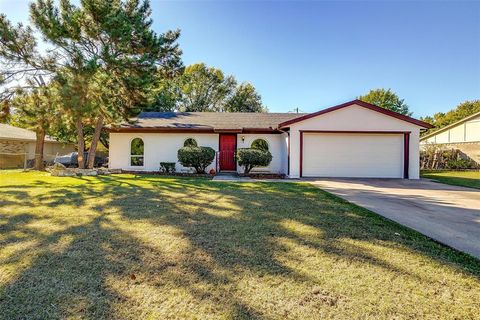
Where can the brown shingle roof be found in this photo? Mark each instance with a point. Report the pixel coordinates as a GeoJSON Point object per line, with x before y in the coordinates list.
{"type": "Point", "coordinates": [208, 120]}
{"type": "Point", "coordinates": [237, 121]}
{"type": "Point", "coordinates": [8, 132]}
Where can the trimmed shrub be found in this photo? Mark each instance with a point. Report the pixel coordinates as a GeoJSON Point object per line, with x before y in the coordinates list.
{"type": "Point", "coordinates": [167, 167]}
{"type": "Point", "coordinates": [198, 158]}
{"type": "Point", "coordinates": [250, 158]}
{"type": "Point", "coordinates": [190, 142]}
{"type": "Point", "coordinates": [260, 144]}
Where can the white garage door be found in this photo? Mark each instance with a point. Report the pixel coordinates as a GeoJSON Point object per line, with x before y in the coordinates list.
{"type": "Point", "coordinates": [354, 155]}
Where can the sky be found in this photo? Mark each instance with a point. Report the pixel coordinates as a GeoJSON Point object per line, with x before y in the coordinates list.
{"type": "Point", "coordinates": [313, 55]}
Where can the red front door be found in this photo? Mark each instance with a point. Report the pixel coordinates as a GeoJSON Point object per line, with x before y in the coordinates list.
{"type": "Point", "coordinates": [228, 146]}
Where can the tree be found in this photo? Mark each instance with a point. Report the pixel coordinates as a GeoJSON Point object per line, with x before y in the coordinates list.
{"type": "Point", "coordinates": [36, 111]}
{"type": "Point", "coordinates": [204, 88]}
{"type": "Point", "coordinates": [22, 78]}
{"type": "Point", "coordinates": [165, 96]}
{"type": "Point", "coordinates": [110, 45]}
{"type": "Point", "coordinates": [103, 52]}
{"type": "Point", "coordinates": [78, 102]}
{"type": "Point", "coordinates": [244, 99]}
{"type": "Point", "coordinates": [22, 67]}
{"type": "Point", "coordinates": [463, 110]}
{"type": "Point", "coordinates": [386, 99]}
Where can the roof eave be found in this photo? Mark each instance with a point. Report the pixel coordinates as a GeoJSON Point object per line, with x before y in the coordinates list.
{"type": "Point", "coordinates": [189, 130]}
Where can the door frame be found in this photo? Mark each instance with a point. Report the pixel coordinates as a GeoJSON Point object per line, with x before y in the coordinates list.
{"type": "Point", "coordinates": [406, 145]}
{"type": "Point", "coordinates": [234, 152]}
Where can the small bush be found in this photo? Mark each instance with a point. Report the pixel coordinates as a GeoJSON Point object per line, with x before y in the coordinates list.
{"type": "Point", "coordinates": [167, 167]}
{"type": "Point", "coordinates": [260, 144]}
{"type": "Point", "coordinates": [250, 158]}
{"type": "Point", "coordinates": [198, 158]}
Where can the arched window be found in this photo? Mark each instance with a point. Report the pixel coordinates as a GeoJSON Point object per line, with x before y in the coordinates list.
{"type": "Point", "coordinates": [190, 142]}
{"type": "Point", "coordinates": [260, 144]}
{"type": "Point", "coordinates": [136, 152]}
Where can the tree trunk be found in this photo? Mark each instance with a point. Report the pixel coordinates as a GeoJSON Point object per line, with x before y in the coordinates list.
{"type": "Point", "coordinates": [39, 143]}
{"type": "Point", "coordinates": [80, 142]}
{"type": "Point", "coordinates": [95, 139]}
{"type": "Point", "coordinates": [104, 140]}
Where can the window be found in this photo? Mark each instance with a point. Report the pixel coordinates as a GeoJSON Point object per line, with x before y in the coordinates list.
{"type": "Point", "coordinates": [136, 152]}
{"type": "Point", "coordinates": [260, 144]}
{"type": "Point", "coordinates": [190, 142]}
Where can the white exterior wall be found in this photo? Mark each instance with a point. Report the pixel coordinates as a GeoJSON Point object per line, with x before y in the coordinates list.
{"type": "Point", "coordinates": [158, 147]}
{"type": "Point", "coordinates": [163, 147]}
{"type": "Point", "coordinates": [354, 118]}
{"type": "Point", "coordinates": [468, 131]}
{"type": "Point", "coordinates": [472, 130]}
{"type": "Point", "coordinates": [277, 147]}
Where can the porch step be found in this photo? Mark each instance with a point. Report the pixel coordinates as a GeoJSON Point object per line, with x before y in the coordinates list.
{"type": "Point", "coordinates": [231, 177]}
{"type": "Point", "coordinates": [227, 173]}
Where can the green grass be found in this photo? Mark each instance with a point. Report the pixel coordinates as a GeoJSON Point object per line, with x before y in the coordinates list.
{"type": "Point", "coordinates": [458, 178]}
{"type": "Point", "coordinates": [152, 247]}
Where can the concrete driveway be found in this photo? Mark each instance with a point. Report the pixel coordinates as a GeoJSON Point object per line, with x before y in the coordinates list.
{"type": "Point", "coordinates": [448, 214]}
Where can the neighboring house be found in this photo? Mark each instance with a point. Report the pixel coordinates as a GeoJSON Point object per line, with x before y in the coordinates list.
{"type": "Point", "coordinates": [463, 135]}
{"type": "Point", "coordinates": [18, 145]}
{"type": "Point", "coordinates": [354, 139]}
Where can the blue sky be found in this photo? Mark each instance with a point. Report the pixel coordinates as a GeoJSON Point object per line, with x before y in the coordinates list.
{"type": "Point", "coordinates": [313, 55]}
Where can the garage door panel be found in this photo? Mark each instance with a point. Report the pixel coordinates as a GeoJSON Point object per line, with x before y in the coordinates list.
{"type": "Point", "coordinates": [353, 155]}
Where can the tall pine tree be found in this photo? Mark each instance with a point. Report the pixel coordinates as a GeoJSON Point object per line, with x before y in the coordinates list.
{"type": "Point", "coordinates": [110, 45]}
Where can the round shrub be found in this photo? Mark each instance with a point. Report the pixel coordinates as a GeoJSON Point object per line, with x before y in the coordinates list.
{"type": "Point", "coordinates": [250, 158]}
{"type": "Point", "coordinates": [260, 144]}
{"type": "Point", "coordinates": [198, 158]}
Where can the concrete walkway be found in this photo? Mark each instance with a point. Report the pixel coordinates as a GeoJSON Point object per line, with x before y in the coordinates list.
{"type": "Point", "coordinates": [236, 178]}
{"type": "Point", "coordinates": [448, 214]}
{"type": "Point", "coordinates": [228, 177]}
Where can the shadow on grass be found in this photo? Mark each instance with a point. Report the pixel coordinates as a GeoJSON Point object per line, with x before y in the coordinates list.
{"type": "Point", "coordinates": [229, 228]}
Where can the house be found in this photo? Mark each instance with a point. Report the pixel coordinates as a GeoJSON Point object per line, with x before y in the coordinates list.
{"type": "Point", "coordinates": [463, 135]}
{"type": "Point", "coordinates": [17, 145]}
{"type": "Point", "coordinates": [354, 139]}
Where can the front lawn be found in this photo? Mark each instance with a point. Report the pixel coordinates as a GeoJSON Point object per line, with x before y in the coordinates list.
{"type": "Point", "coordinates": [151, 247]}
{"type": "Point", "coordinates": [458, 178]}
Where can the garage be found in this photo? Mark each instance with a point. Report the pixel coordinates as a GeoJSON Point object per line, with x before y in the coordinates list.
{"type": "Point", "coordinates": [354, 154]}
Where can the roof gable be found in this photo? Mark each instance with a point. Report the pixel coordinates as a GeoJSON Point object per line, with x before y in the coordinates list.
{"type": "Point", "coordinates": [450, 126]}
{"type": "Point", "coordinates": [361, 104]}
